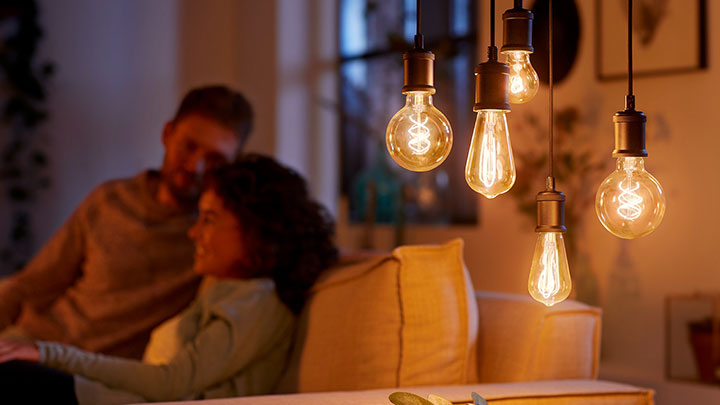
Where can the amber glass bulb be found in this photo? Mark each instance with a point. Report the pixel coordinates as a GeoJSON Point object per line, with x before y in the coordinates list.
{"type": "Point", "coordinates": [549, 280]}
{"type": "Point", "coordinates": [419, 136]}
{"type": "Point", "coordinates": [490, 167]}
{"type": "Point", "coordinates": [630, 202]}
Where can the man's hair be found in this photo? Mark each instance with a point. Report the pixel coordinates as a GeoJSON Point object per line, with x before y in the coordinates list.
{"type": "Point", "coordinates": [221, 104]}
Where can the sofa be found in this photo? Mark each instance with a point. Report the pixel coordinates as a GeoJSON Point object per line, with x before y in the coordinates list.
{"type": "Point", "coordinates": [412, 321]}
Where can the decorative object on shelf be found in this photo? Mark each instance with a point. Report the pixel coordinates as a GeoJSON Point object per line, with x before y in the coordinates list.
{"type": "Point", "coordinates": [549, 281]}
{"type": "Point", "coordinates": [490, 167]}
{"type": "Point", "coordinates": [517, 46]}
{"type": "Point", "coordinates": [692, 337]}
{"type": "Point", "coordinates": [419, 136]}
{"type": "Point", "coordinates": [23, 160]}
{"type": "Point", "coordinates": [630, 202]}
{"type": "Point", "coordinates": [659, 25]}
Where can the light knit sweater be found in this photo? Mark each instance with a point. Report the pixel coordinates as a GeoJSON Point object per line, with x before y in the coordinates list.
{"type": "Point", "coordinates": [117, 268]}
{"type": "Point", "coordinates": [232, 341]}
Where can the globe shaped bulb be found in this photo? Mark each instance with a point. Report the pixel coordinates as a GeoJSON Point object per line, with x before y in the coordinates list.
{"type": "Point", "coordinates": [524, 82]}
{"type": "Point", "coordinates": [549, 280]}
{"type": "Point", "coordinates": [419, 136]}
{"type": "Point", "coordinates": [490, 167]}
{"type": "Point", "coordinates": [630, 202]}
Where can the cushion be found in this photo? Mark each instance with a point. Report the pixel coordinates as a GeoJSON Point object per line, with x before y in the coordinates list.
{"type": "Point", "coordinates": [401, 319]}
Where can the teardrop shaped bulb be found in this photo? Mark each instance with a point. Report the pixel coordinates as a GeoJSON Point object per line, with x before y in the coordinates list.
{"type": "Point", "coordinates": [549, 280]}
{"type": "Point", "coordinates": [490, 167]}
{"type": "Point", "coordinates": [524, 82]}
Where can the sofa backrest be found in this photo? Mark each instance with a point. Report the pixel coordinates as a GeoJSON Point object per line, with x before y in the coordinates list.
{"type": "Point", "coordinates": [521, 340]}
{"type": "Point", "coordinates": [401, 319]}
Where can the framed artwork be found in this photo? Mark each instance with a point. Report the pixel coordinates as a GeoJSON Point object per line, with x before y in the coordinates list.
{"type": "Point", "coordinates": [669, 36]}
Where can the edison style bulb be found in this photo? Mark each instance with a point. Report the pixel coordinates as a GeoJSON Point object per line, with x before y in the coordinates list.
{"type": "Point", "coordinates": [549, 280]}
{"type": "Point", "coordinates": [524, 81]}
{"type": "Point", "coordinates": [490, 167]}
{"type": "Point", "coordinates": [630, 202]}
{"type": "Point", "coordinates": [419, 136]}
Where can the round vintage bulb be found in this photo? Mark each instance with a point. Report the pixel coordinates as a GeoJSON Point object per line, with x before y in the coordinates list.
{"type": "Point", "coordinates": [524, 82]}
{"type": "Point", "coordinates": [419, 136]}
{"type": "Point", "coordinates": [630, 202]}
{"type": "Point", "coordinates": [549, 280]}
{"type": "Point", "coordinates": [490, 167]}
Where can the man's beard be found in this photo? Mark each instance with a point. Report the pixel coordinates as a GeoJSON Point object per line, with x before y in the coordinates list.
{"type": "Point", "coordinates": [186, 196]}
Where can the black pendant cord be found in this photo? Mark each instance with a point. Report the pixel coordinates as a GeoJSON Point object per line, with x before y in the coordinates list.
{"type": "Point", "coordinates": [551, 157]}
{"type": "Point", "coordinates": [492, 49]}
{"type": "Point", "coordinates": [518, 4]}
{"type": "Point", "coordinates": [419, 40]}
{"type": "Point", "coordinates": [630, 99]}
{"type": "Point", "coordinates": [492, 23]}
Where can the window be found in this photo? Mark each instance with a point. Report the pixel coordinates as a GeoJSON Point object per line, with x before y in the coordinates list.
{"type": "Point", "coordinates": [373, 36]}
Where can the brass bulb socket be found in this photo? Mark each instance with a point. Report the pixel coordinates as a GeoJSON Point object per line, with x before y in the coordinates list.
{"type": "Point", "coordinates": [491, 86]}
{"type": "Point", "coordinates": [419, 71]}
{"type": "Point", "coordinates": [629, 134]}
{"type": "Point", "coordinates": [517, 30]}
{"type": "Point", "coordinates": [550, 211]}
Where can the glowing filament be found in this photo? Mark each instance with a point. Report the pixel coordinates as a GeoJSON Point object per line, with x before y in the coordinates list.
{"type": "Point", "coordinates": [549, 280]}
{"type": "Point", "coordinates": [420, 142]}
{"type": "Point", "coordinates": [516, 82]}
{"type": "Point", "coordinates": [489, 153]}
{"type": "Point", "coordinates": [630, 203]}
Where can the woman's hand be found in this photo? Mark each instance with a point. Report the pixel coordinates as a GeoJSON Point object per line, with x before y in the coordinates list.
{"type": "Point", "coordinates": [18, 350]}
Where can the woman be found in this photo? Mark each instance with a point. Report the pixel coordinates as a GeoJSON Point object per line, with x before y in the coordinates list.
{"type": "Point", "coordinates": [261, 243]}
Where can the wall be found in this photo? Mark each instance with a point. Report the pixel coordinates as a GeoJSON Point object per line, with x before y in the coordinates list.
{"type": "Point", "coordinates": [632, 277]}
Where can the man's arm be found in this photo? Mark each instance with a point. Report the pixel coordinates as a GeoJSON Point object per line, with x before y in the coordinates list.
{"type": "Point", "coordinates": [48, 274]}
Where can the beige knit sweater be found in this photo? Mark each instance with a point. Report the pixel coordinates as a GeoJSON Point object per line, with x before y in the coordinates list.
{"type": "Point", "coordinates": [117, 268]}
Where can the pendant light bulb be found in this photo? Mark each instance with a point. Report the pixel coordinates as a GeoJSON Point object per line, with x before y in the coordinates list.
{"type": "Point", "coordinates": [549, 281]}
{"type": "Point", "coordinates": [419, 136]}
{"type": "Point", "coordinates": [524, 82]}
{"type": "Point", "coordinates": [490, 167]}
{"type": "Point", "coordinates": [630, 202]}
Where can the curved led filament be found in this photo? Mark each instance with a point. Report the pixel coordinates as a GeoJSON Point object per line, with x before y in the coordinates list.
{"type": "Point", "coordinates": [489, 153]}
{"type": "Point", "coordinates": [630, 203]}
{"type": "Point", "coordinates": [549, 280]}
{"type": "Point", "coordinates": [419, 134]}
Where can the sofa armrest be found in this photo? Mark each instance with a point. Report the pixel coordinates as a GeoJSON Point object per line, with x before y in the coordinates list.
{"type": "Point", "coordinates": [522, 340]}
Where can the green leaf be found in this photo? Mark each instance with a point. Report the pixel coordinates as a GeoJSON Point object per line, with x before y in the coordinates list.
{"type": "Point", "coordinates": [406, 398]}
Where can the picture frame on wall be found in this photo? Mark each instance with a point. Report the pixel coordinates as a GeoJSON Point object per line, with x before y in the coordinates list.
{"type": "Point", "coordinates": [669, 37]}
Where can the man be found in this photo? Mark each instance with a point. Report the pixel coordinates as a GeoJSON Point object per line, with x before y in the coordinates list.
{"type": "Point", "coordinates": [122, 263]}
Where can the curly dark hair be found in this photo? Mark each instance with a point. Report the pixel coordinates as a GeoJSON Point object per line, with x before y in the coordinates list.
{"type": "Point", "coordinates": [289, 236]}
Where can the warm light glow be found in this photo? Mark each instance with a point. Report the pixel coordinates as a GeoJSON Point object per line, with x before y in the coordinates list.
{"type": "Point", "coordinates": [420, 133]}
{"type": "Point", "coordinates": [490, 168]}
{"type": "Point", "coordinates": [549, 280]}
{"type": "Point", "coordinates": [524, 82]}
{"type": "Point", "coordinates": [419, 136]}
{"type": "Point", "coordinates": [630, 202]}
